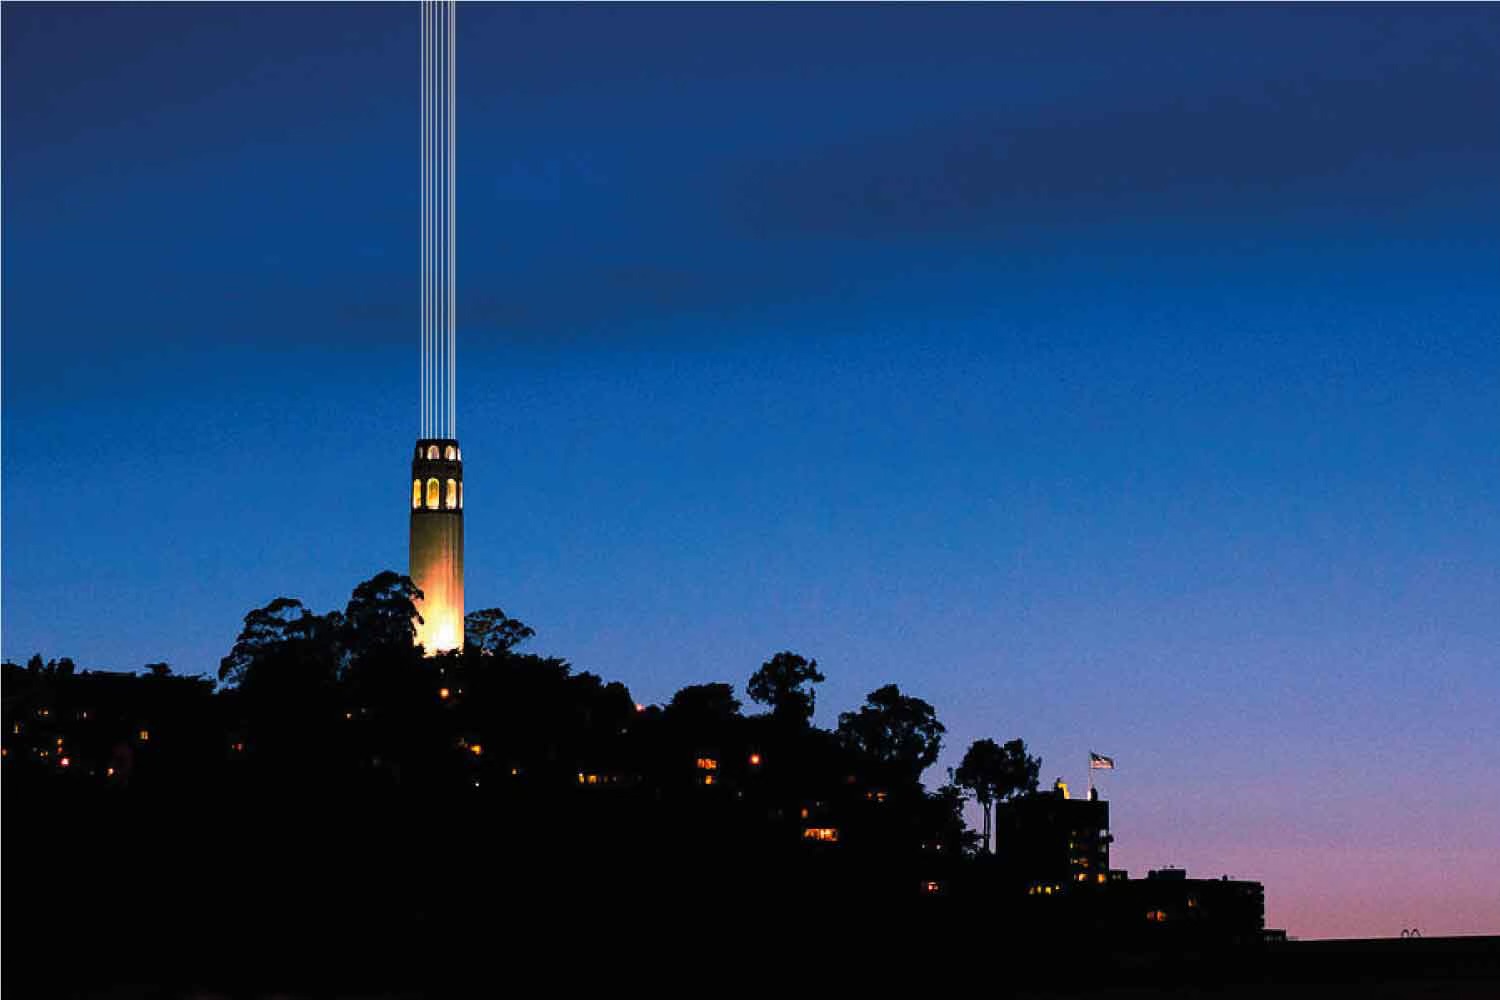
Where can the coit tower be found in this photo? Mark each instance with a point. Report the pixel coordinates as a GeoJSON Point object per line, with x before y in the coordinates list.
{"type": "Point", "coordinates": [437, 471]}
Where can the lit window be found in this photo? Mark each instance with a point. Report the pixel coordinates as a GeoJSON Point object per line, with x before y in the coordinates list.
{"type": "Point", "coordinates": [432, 451]}
{"type": "Point", "coordinates": [109, 772]}
{"type": "Point", "coordinates": [450, 453]}
{"type": "Point", "coordinates": [416, 493]}
{"type": "Point", "coordinates": [433, 488]}
{"type": "Point", "coordinates": [443, 693]}
{"type": "Point", "coordinates": [755, 760]}
{"type": "Point", "coordinates": [460, 496]}
{"type": "Point", "coordinates": [593, 779]}
{"type": "Point", "coordinates": [144, 734]}
{"type": "Point", "coordinates": [930, 887]}
{"type": "Point", "coordinates": [65, 762]}
{"type": "Point", "coordinates": [452, 503]}
{"type": "Point", "coordinates": [825, 834]}
{"type": "Point", "coordinates": [707, 764]}
{"type": "Point", "coordinates": [476, 749]}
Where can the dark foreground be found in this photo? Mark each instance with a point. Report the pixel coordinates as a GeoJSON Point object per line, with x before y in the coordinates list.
{"type": "Point", "coordinates": [298, 897]}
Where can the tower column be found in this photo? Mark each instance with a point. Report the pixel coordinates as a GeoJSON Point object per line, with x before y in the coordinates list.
{"type": "Point", "coordinates": [437, 542]}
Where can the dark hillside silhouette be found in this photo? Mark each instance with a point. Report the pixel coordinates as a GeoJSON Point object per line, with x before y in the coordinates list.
{"type": "Point", "coordinates": [343, 801]}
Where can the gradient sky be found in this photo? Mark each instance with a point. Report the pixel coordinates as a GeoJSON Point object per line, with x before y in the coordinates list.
{"type": "Point", "coordinates": [1122, 378]}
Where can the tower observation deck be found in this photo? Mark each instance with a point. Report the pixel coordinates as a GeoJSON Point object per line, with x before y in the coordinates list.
{"type": "Point", "coordinates": [437, 508]}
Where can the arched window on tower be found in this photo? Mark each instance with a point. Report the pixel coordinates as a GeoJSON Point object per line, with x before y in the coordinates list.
{"type": "Point", "coordinates": [450, 453]}
{"type": "Point", "coordinates": [433, 497]}
{"type": "Point", "coordinates": [452, 500]}
{"type": "Point", "coordinates": [416, 493]}
{"type": "Point", "coordinates": [432, 451]}
{"type": "Point", "coordinates": [460, 496]}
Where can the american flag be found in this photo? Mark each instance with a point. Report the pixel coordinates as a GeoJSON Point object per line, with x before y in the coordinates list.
{"type": "Point", "coordinates": [1099, 762]}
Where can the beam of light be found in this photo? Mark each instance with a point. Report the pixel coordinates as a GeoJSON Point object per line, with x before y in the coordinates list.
{"type": "Point", "coordinates": [439, 143]}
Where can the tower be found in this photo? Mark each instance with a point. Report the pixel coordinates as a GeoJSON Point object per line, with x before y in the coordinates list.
{"type": "Point", "coordinates": [437, 477]}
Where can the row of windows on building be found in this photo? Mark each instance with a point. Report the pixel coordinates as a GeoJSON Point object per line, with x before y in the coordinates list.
{"type": "Point", "coordinates": [449, 452]}
{"type": "Point", "coordinates": [436, 496]}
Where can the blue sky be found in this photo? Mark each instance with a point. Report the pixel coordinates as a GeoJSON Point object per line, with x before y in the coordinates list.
{"type": "Point", "coordinates": [1122, 378]}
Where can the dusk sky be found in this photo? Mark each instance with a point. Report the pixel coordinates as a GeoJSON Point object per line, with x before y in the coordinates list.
{"type": "Point", "coordinates": [1125, 379]}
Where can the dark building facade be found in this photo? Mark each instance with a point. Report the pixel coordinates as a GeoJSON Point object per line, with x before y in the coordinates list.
{"type": "Point", "coordinates": [1049, 841]}
{"type": "Point", "coordinates": [1054, 880]}
{"type": "Point", "coordinates": [1169, 908]}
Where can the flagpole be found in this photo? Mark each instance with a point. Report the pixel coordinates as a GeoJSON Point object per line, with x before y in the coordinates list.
{"type": "Point", "coordinates": [1091, 775]}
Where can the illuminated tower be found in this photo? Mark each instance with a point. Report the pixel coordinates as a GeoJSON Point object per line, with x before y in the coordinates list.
{"type": "Point", "coordinates": [437, 474]}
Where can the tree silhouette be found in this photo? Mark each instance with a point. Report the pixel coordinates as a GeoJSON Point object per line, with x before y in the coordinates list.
{"type": "Point", "coordinates": [704, 704]}
{"type": "Point", "coordinates": [266, 630]}
{"type": "Point", "coordinates": [381, 615]}
{"type": "Point", "coordinates": [994, 773]}
{"type": "Point", "coordinates": [897, 731]}
{"type": "Point", "coordinates": [785, 682]}
{"type": "Point", "coordinates": [492, 631]}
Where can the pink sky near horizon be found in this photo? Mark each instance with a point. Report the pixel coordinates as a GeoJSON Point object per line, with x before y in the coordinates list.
{"type": "Point", "coordinates": [1433, 864]}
